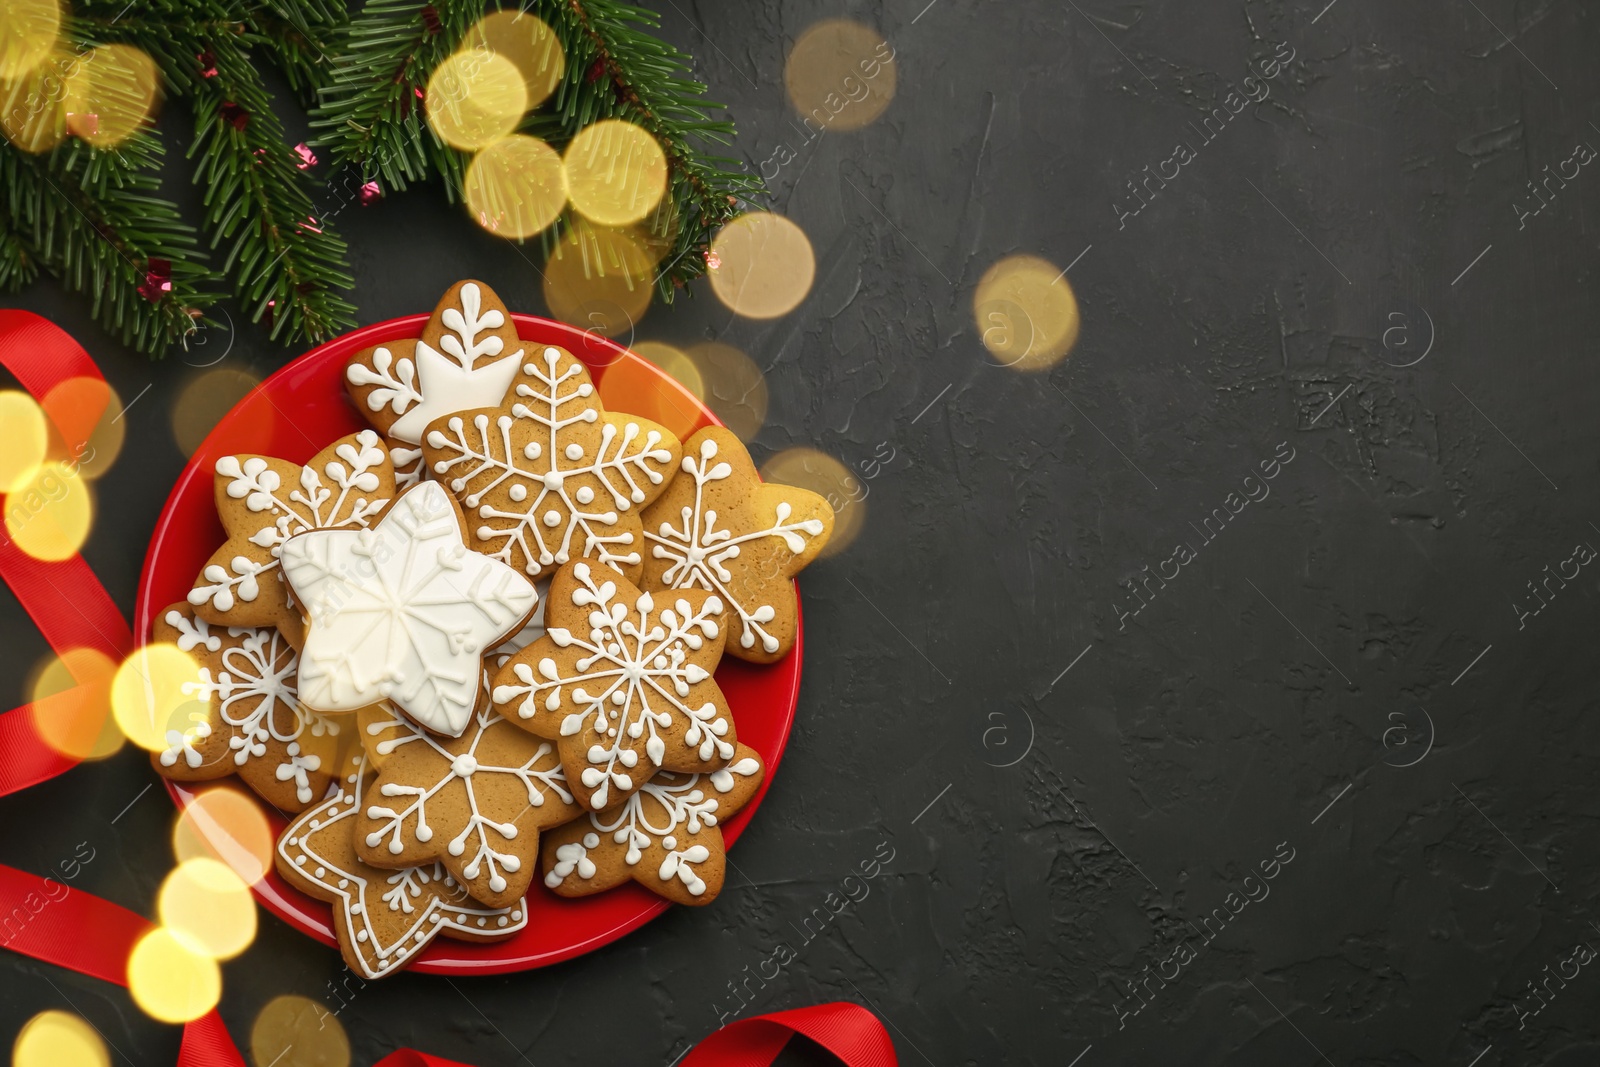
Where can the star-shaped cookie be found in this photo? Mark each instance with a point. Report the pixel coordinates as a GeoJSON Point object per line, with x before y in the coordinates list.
{"type": "Point", "coordinates": [383, 918]}
{"type": "Point", "coordinates": [718, 527]}
{"type": "Point", "coordinates": [621, 680]}
{"type": "Point", "coordinates": [667, 836]}
{"type": "Point", "coordinates": [246, 718]}
{"type": "Point", "coordinates": [262, 502]}
{"type": "Point", "coordinates": [403, 611]}
{"type": "Point", "coordinates": [466, 357]}
{"type": "Point", "coordinates": [549, 475]}
{"type": "Point", "coordinates": [475, 803]}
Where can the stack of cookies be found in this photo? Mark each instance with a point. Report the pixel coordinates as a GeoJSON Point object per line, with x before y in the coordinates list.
{"type": "Point", "coordinates": [479, 641]}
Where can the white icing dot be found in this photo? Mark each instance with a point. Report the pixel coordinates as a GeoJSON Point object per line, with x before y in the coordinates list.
{"type": "Point", "coordinates": [361, 935]}
{"type": "Point", "coordinates": [356, 909]}
{"type": "Point", "coordinates": [321, 871]}
{"type": "Point", "coordinates": [519, 493]}
{"type": "Point", "coordinates": [300, 860]}
{"type": "Point", "coordinates": [585, 495]}
{"type": "Point", "coordinates": [435, 917]}
{"type": "Point", "coordinates": [517, 916]}
{"type": "Point", "coordinates": [502, 920]}
{"type": "Point", "coordinates": [670, 842]}
{"type": "Point", "coordinates": [574, 451]}
{"type": "Point", "coordinates": [532, 450]}
{"type": "Point", "coordinates": [343, 882]}
{"type": "Point", "coordinates": [482, 921]}
{"type": "Point", "coordinates": [552, 518]}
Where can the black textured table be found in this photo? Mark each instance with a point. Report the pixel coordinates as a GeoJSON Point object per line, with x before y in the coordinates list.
{"type": "Point", "coordinates": [1316, 786]}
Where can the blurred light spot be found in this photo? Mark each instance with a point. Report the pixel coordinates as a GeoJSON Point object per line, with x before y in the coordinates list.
{"type": "Point", "coordinates": [72, 704]}
{"type": "Point", "coordinates": [206, 399]}
{"type": "Point", "coordinates": [208, 908]}
{"type": "Point", "coordinates": [764, 265]}
{"type": "Point", "coordinates": [599, 279]}
{"type": "Point", "coordinates": [528, 43]}
{"type": "Point", "coordinates": [88, 413]}
{"type": "Point", "coordinates": [734, 388]}
{"type": "Point", "coordinates": [28, 30]}
{"type": "Point", "coordinates": [111, 93]}
{"type": "Point", "coordinates": [225, 823]}
{"type": "Point", "coordinates": [516, 186]}
{"type": "Point", "coordinates": [840, 75]}
{"type": "Point", "coordinates": [829, 479]}
{"type": "Point", "coordinates": [296, 1031]}
{"type": "Point", "coordinates": [616, 173]}
{"type": "Point", "coordinates": [58, 1039]}
{"type": "Point", "coordinates": [676, 363]}
{"type": "Point", "coordinates": [33, 110]}
{"type": "Point", "coordinates": [1026, 313]}
{"type": "Point", "coordinates": [153, 692]}
{"type": "Point", "coordinates": [26, 435]}
{"type": "Point", "coordinates": [474, 97]}
{"type": "Point", "coordinates": [49, 516]}
{"type": "Point", "coordinates": [171, 981]}
{"type": "Point", "coordinates": [637, 388]}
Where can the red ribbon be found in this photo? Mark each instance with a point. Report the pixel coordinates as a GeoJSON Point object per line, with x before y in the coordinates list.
{"type": "Point", "coordinates": [92, 936]}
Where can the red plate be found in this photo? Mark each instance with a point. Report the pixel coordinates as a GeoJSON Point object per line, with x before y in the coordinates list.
{"type": "Point", "coordinates": [293, 415]}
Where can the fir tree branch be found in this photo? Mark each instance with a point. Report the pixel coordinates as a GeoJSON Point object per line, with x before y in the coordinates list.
{"type": "Point", "coordinates": [89, 218]}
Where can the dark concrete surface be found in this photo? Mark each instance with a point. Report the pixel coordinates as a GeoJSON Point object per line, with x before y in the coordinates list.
{"type": "Point", "coordinates": [1328, 797]}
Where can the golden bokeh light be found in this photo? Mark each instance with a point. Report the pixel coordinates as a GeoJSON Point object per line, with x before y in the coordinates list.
{"type": "Point", "coordinates": [170, 981]}
{"type": "Point", "coordinates": [474, 97]}
{"type": "Point", "coordinates": [110, 94]}
{"type": "Point", "coordinates": [72, 704]}
{"type": "Point", "coordinates": [58, 1039]}
{"type": "Point", "coordinates": [528, 43]}
{"type": "Point", "coordinates": [516, 186]}
{"type": "Point", "coordinates": [208, 908]}
{"type": "Point", "coordinates": [223, 823]}
{"type": "Point", "coordinates": [636, 387]}
{"type": "Point", "coordinates": [206, 399]}
{"type": "Point", "coordinates": [733, 387]}
{"type": "Point", "coordinates": [616, 172]}
{"type": "Point", "coordinates": [599, 279]}
{"type": "Point", "coordinates": [26, 434]}
{"type": "Point", "coordinates": [49, 515]}
{"type": "Point", "coordinates": [829, 479]}
{"type": "Point", "coordinates": [677, 364]}
{"type": "Point", "coordinates": [763, 265]}
{"type": "Point", "coordinates": [840, 75]}
{"type": "Point", "coordinates": [296, 1031]}
{"type": "Point", "coordinates": [33, 112]}
{"type": "Point", "coordinates": [154, 692]}
{"type": "Point", "coordinates": [28, 31]}
{"type": "Point", "coordinates": [1025, 312]}
{"type": "Point", "coordinates": [88, 413]}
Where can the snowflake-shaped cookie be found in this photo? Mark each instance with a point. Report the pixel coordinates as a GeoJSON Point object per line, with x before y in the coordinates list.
{"type": "Point", "coordinates": [667, 836]}
{"type": "Point", "coordinates": [465, 358]}
{"type": "Point", "coordinates": [403, 611]}
{"type": "Point", "coordinates": [262, 503]}
{"type": "Point", "coordinates": [246, 718]}
{"type": "Point", "coordinates": [718, 527]}
{"type": "Point", "coordinates": [475, 803]}
{"type": "Point", "coordinates": [383, 918]}
{"type": "Point", "coordinates": [550, 475]}
{"type": "Point", "coordinates": [623, 685]}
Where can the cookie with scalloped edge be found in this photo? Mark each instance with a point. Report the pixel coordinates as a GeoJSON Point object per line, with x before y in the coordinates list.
{"type": "Point", "coordinates": [382, 918]}
{"type": "Point", "coordinates": [719, 527]}
{"type": "Point", "coordinates": [549, 476]}
{"type": "Point", "coordinates": [245, 717]}
{"type": "Point", "coordinates": [465, 358]}
{"type": "Point", "coordinates": [262, 502]}
{"type": "Point", "coordinates": [667, 836]}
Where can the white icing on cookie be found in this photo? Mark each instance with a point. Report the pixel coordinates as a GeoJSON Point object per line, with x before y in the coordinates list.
{"type": "Point", "coordinates": [540, 470]}
{"type": "Point", "coordinates": [699, 551]}
{"type": "Point", "coordinates": [435, 384]}
{"type": "Point", "coordinates": [403, 611]}
{"type": "Point", "coordinates": [639, 662]}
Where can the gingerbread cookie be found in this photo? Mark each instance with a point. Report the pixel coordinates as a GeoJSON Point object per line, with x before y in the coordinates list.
{"type": "Point", "coordinates": [403, 611]}
{"type": "Point", "coordinates": [718, 527]}
{"type": "Point", "coordinates": [550, 476]}
{"type": "Point", "coordinates": [466, 357]}
{"type": "Point", "coordinates": [475, 803]}
{"type": "Point", "coordinates": [262, 502]}
{"type": "Point", "coordinates": [667, 836]}
{"type": "Point", "coordinates": [383, 918]}
{"type": "Point", "coordinates": [623, 685]}
{"type": "Point", "coordinates": [246, 719]}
